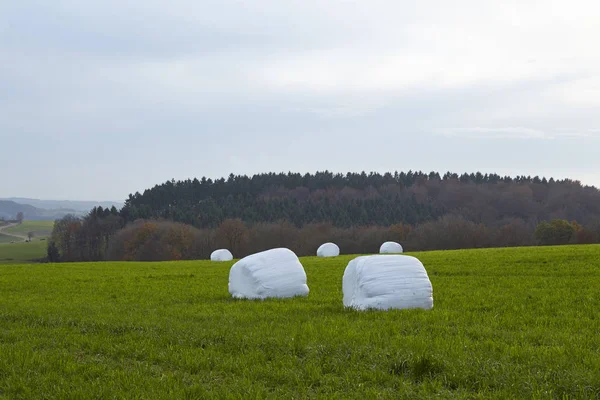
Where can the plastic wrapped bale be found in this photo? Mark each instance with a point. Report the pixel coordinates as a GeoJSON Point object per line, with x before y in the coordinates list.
{"type": "Point", "coordinates": [385, 282]}
{"type": "Point", "coordinates": [390, 248]}
{"type": "Point", "coordinates": [221, 255]}
{"type": "Point", "coordinates": [271, 273]}
{"type": "Point", "coordinates": [328, 250]}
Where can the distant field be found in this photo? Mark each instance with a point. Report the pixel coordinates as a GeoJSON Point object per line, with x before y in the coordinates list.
{"type": "Point", "coordinates": [22, 251]}
{"type": "Point", "coordinates": [6, 238]}
{"type": "Point", "coordinates": [39, 228]}
{"type": "Point", "coordinates": [506, 324]}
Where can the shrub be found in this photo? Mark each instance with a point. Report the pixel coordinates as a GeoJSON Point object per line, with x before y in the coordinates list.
{"type": "Point", "coordinates": [557, 231]}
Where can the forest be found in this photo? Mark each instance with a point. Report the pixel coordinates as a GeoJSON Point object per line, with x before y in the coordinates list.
{"type": "Point", "coordinates": [364, 199]}
{"type": "Point", "coordinates": [188, 219]}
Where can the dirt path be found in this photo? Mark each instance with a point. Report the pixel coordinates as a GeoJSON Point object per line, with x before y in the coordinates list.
{"type": "Point", "coordinates": [2, 228]}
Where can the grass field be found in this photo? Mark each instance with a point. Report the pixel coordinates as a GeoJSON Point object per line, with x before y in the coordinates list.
{"type": "Point", "coordinates": [21, 252]}
{"type": "Point", "coordinates": [39, 228]}
{"type": "Point", "coordinates": [6, 238]}
{"type": "Point", "coordinates": [506, 323]}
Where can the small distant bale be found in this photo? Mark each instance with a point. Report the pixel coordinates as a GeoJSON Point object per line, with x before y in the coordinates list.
{"type": "Point", "coordinates": [391, 248]}
{"type": "Point", "coordinates": [328, 250]}
{"type": "Point", "coordinates": [386, 282]}
{"type": "Point", "coordinates": [221, 255]}
{"type": "Point", "coordinates": [271, 273]}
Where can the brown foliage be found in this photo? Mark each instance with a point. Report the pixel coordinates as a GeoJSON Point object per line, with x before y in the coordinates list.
{"type": "Point", "coordinates": [311, 237]}
{"type": "Point", "coordinates": [268, 236]}
{"type": "Point", "coordinates": [514, 233]}
{"type": "Point", "coordinates": [400, 232]}
{"type": "Point", "coordinates": [65, 236]}
{"type": "Point", "coordinates": [154, 241]}
{"type": "Point", "coordinates": [583, 235]}
{"type": "Point", "coordinates": [163, 240]}
{"type": "Point", "coordinates": [449, 232]}
{"type": "Point", "coordinates": [232, 234]}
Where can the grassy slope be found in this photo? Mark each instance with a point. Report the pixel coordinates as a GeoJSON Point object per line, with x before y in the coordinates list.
{"type": "Point", "coordinates": [506, 323]}
{"type": "Point", "coordinates": [21, 252]}
{"type": "Point", "coordinates": [40, 228]}
{"type": "Point", "coordinates": [6, 238]}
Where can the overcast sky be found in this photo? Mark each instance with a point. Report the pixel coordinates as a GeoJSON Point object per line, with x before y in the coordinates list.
{"type": "Point", "coordinates": [99, 99]}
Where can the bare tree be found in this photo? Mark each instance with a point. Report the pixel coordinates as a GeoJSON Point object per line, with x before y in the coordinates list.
{"type": "Point", "coordinates": [232, 234]}
{"type": "Point", "coordinates": [20, 216]}
{"type": "Point", "coordinates": [30, 235]}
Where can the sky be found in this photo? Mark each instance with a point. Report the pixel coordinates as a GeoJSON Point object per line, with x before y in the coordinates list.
{"type": "Point", "coordinates": [100, 99]}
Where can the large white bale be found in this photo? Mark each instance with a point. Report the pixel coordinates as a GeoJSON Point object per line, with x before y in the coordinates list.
{"type": "Point", "coordinates": [328, 250]}
{"type": "Point", "coordinates": [271, 273]}
{"type": "Point", "coordinates": [386, 281]}
{"type": "Point", "coordinates": [221, 255]}
{"type": "Point", "coordinates": [390, 248]}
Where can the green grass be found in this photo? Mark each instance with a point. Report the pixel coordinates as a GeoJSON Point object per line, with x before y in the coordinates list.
{"type": "Point", "coordinates": [506, 323]}
{"type": "Point", "coordinates": [21, 252]}
{"type": "Point", "coordinates": [39, 228]}
{"type": "Point", "coordinates": [7, 239]}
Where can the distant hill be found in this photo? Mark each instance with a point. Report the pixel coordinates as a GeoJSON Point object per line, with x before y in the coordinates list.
{"type": "Point", "coordinates": [10, 209]}
{"type": "Point", "coordinates": [81, 206]}
{"type": "Point", "coordinates": [34, 209]}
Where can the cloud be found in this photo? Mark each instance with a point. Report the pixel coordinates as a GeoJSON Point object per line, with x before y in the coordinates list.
{"type": "Point", "coordinates": [174, 80]}
{"type": "Point", "coordinates": [495, 133]}
{"type": "Point", "coordinates": [513, 133]}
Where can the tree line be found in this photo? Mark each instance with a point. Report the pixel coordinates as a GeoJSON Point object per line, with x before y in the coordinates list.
{"type": "Point", "coordinates": [363, 199]}
{"type": "Point", "coordinates": [189, 219]}
{"type": "Point", "coordinates": [77, 239]}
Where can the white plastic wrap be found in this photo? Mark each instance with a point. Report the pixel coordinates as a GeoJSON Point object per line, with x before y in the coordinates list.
{"type": "Point", "coordinates": [271, 273]}
{"type": "Point", "coordinates": [390, 248]}
{"type": "Point", "coordinates": [386, 281]}
{"type": "Point", "coordinates": [221, 255]}
{"type": "Point", "coordinates": [328, 250]}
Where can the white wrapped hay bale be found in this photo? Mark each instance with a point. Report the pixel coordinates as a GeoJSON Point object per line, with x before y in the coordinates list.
{"type": "Point", "coordinates": [390, 248]}
{"type": "Point", "coordinates": [221, 255]}
{"type": "Point", "coordinates": [386, 281]}
{"type": "Point", "coordinates": [271, 273]}
{"type": "Point", "coordinates": [328, 250]}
